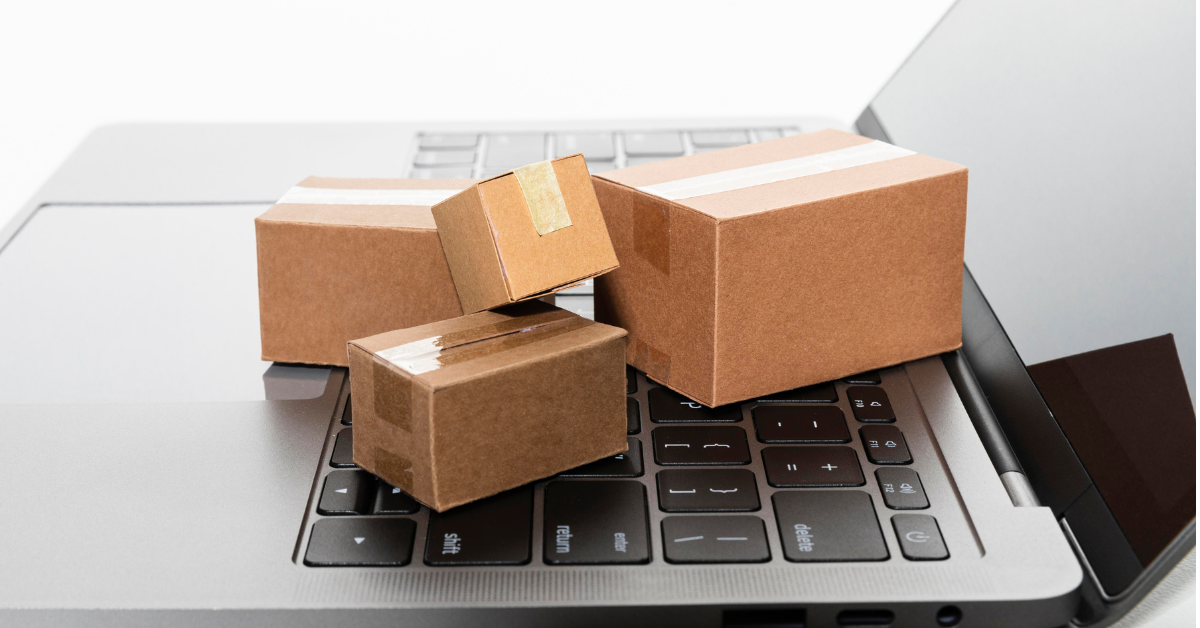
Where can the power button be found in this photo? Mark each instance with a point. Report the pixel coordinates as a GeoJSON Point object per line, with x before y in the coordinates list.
{"type": "Point", "coordinates": [920, 538]}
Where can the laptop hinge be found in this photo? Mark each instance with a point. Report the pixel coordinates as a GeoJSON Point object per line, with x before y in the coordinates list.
{"type": "Point", "coordinates": [994, 441]}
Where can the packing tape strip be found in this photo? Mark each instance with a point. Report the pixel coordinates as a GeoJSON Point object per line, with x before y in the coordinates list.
{"type": "Point", "coordinates": [654, 363]}
{"type": "Point", "coordinates": [430, 354]}
{"type": "Point", "coordinates": [543, 196]}
{"type": "Point", "coordinates": [330, 196]}
{"type": "Point", "coordinates": [738, 178]}
{"type": "Point", "coordinates": [392, 396]}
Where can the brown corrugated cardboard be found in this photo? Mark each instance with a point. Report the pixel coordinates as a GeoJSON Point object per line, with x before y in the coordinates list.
{"type": "Point", "coordinates": [457, 410]}
{"type": "Point", "coordinates": [766, 267]}
{"type": "Point", "coordinates": [340, 259]}
{"type": "Point", "coordinates": [524, 234]}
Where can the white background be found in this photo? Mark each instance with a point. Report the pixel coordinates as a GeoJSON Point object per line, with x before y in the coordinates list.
{"type": "Point", "coordinates": [68, 67]}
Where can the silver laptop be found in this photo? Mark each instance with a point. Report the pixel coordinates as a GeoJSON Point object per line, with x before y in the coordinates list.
{"type": "Point", "coordinates": [157, 472]}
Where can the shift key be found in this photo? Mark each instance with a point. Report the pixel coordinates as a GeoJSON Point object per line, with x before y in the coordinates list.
{"type": "Point", "coordinates": [596, 522]}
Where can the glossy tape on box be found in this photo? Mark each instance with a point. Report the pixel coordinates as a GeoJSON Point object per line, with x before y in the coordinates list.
{"type": "Point", "coordinates": [430, 354]}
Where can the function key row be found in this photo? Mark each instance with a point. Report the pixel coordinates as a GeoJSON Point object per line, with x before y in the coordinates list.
{"type": "Point", "coordinates": [870, 404]}
{"type": "Point", "coordinates": [600, 146]}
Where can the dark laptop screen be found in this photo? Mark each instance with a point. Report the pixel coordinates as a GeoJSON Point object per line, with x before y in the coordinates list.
{"type": "Point", "coordinates": [1127, 413]}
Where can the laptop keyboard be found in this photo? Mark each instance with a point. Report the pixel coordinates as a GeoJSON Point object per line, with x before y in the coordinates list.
{"type": "Point", "coordinates": [823, 473]}
{"type": "Point", "coordinates": [482, 155]}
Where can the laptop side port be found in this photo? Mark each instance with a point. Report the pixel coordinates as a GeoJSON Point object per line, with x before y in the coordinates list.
{"type": "Point", "coordinates": [764, 618]}
{"type": "Point", "coordinates": [866, 617]}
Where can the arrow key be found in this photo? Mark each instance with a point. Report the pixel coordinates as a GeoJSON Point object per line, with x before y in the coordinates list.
{"type": "Point", "coordinates": [390, 500]}
{"type": "Point", "coordinates": [347, 493]}
{"type": "Point", "coordinates": [375, 542]}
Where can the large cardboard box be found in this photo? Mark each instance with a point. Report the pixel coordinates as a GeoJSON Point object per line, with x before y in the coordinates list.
{"type": "Point", "coordinates": [340, 259]}
{"type": "Point", "coordinates": [766, 267]}
{"type": "Point", "coordinates": [457, 410]}
{"type": "Point", "coordinates": [524, 234]}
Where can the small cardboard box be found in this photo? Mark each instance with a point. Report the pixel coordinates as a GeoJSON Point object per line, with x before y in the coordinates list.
{"type": "Point", "coordinates": [457, 410]}
{"type": "Point", "coordinates": [524, 234]}
{"type": "Point", "coordinates": [340, 259]}
{"type": "Point", "coordinates": [766, 267]}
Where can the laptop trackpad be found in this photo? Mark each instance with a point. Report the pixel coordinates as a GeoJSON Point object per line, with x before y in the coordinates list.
{"type": "Point", "coordinates": [137, 303]}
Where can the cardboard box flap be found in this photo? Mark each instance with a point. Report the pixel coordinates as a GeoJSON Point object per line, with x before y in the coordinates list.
{"type": "Point", "coordinates": [400, 203]}
{"type": "Point", "coordinates": [754, 178]}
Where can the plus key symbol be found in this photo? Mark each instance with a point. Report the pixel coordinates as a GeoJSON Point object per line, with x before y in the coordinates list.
{"type": "Point", "coordinates": [812, 466]}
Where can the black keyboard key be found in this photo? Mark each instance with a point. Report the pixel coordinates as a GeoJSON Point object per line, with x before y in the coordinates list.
{"type": "Point", "coordinates": [870, 404]}
{"type": "Point", "coordinates": [739, 539]}
{"type": "Point", "coordinates": [800, 424]}
{"type": "Point", "coordinates": [884, 444]}
{"type": "Point", "coordinates": [390, 500]}
{"type": "Point", "coordinates": [496, 530]}
{"type": "Point", "coordinates": [625, 465]}
{"type": "Point", "coordinates": [667, 406]}
{"type": "Point", "coordinates": [869, 378]}
{"type": "Point", "coordinates": [596, 522]}
{"type": "Point", "coordinates": [812, 466]}
{"type": "Point", "coordinates": [630, 381]}
{"type": "Point", "coordinates": [347, 493]}
{"type": "Point", "coordinates": [822, 526]}
{"type": "Point", "coordinates": [819, 393]}
{"type": "Point", "coordinates": [343, 450]}
{"type": "Point", "coordinates": [920, 538]}
{"type": "Point", "coordinates": [901, 488]}
{"type": "Point", "coordinates": [348, 413]}
{"type": "Point", "coordinates": [360, 542]}
{"type": "Point", "coordinates": [633, 416]}
{"type": "Point", "coordinates": [707, 490]}
{"type": "Point", "coordinates": [700, 445]}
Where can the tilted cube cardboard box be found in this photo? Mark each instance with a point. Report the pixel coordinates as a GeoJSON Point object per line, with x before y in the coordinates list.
{"type": "Point", "coordinates": [524, 234]}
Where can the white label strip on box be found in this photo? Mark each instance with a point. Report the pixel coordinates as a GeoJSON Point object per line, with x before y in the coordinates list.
{"type": "Point", "coordinates": [419, 356]}
{"type": "Point", "coordinates": [727, 180]}
{"type": "Point", "coordinates": [332, 196]}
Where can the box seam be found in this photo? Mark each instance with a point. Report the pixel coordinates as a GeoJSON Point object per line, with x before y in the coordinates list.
{"type": "Point", "coordinates": [487, 215]}
{"type": "Point", "coordinates": [716, 308]}
{"type": "Point", "coordinates": [427, 392]}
